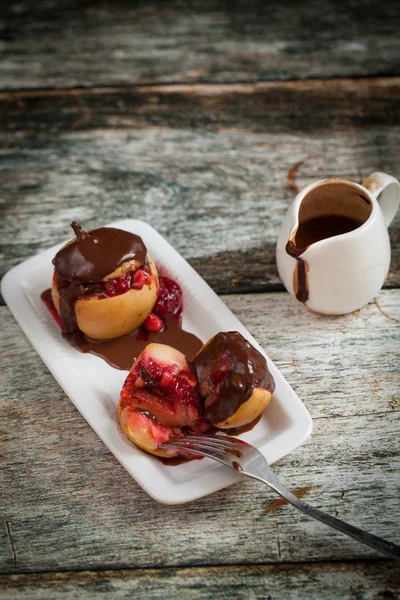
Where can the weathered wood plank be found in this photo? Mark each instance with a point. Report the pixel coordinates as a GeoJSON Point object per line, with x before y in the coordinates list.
{"type": "Point", "coordinates": [293, 106]}
{"type": "Point", "coordinates": [207, 166]}
{"type": "Point", "coordinates": [72, 43]}
{"type": "Point", "coordinates": [357, 580]}
{"type": "Point", "coordinates": [69, 505]}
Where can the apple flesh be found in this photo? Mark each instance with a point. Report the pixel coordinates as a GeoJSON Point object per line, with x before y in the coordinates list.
{"type": "Point", "coordinates": [159, 400]}
{"type": "Point", "coordinates": [248, 412]}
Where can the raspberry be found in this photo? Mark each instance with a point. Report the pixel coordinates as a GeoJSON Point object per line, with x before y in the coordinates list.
{"type": "Point", "coordinates": [110, 288]}
{"type": "Point", "coordinates": [138, 279]}
{"type": "Point", "coordinates": [166, 379]}
{"type": "Point", "coordinates": [153, 324]}
{"type": "Point", "coordinates": [169, 299]}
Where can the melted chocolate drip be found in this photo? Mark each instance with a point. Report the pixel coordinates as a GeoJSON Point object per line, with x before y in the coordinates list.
{"type": "Point", "coordinates": [302, 292]}
{"type": "Point", "coordinates": [245, 370]}
{"type": "Point", "coordinates": [309, 232]}
{"type": "Point", "coordinates": [121, 352]}
{"type": "Point", "coordinates": [243, 429]}
{"type": "Point", "coordinates": [179, 460]}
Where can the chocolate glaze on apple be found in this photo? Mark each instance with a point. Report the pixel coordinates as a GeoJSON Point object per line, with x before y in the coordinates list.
{"type": "Point", "coordinates": [97, 253]}
{"type": "Point", "coordinates": [228, 370]}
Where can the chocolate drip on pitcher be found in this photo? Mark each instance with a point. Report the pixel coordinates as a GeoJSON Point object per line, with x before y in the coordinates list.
{"type": "Point", "coordinates": [302, 292]}
{"type": "Point", "coordinates": [309, 232]}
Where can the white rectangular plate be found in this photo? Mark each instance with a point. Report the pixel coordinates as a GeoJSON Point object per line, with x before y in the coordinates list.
{"type": "Point", "coordinates": [94, 386]}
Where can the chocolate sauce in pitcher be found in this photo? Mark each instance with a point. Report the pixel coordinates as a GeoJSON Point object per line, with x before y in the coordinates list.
{"type": "Point", "coordinates": [309, 232]}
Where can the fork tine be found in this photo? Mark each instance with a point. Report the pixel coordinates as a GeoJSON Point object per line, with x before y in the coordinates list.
{"type": "Point", "coordinates": [221, 445]}
{"type": "Point", "coordinates": [216, 448]}
{"type": "Point", "coordinates": [220, 441]}
{"type": "Point", "coordinates": [188, 444]}
{"type": "Point", "coordinates": [215, 453]}
{"type": "Point", "coordinates": [221, 448]}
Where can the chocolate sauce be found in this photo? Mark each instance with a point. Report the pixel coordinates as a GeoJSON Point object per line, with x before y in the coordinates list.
{"type": "Point", "coordinates": [301, 279]}
{"type": "Point", "coordinates": [121, 352]}
{"type": "Point", "coordinates": [95, 254]}
{"type": "Point", "coordinates": [179, 460]}
{"type": "Point", "coordinates": [228, 369]}
{"type": "Point", "coordinates": [88, 259]}
{"type": "Point", "coordinates": [321, 228]}
{"type": "Point", "coordinates": [309, 232]}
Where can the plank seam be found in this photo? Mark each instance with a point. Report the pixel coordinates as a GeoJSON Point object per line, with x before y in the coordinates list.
{"type": "Point", "coordinates": [182, 567]}
{"type": "Point", "coordinates": [182, 87]}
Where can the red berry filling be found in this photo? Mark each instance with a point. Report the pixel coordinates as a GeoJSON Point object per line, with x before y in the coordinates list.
{"type": "Point", "coordinates": [169, 299]}
{"type": "Point", "coordinates": [169, 302]}
{"type": "Point", "coordinates": [167, 382]}
{"type": "Point", "coordinates": [116, 286]}
{"type": "Point", "coordinates": [168, 392]}
{"type": "Point", "coordinates": [214, 375]}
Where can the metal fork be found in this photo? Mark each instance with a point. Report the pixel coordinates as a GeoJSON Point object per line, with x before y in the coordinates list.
{"type": "Point", "coordinates": [247, 460]}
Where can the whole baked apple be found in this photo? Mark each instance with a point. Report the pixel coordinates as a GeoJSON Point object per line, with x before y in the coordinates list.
{"type": "Point", "coordinates": [105, 284]}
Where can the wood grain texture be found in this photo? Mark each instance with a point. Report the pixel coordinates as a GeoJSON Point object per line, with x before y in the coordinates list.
{"type": "Point", "coordinates": [205, 165]}
{"type": "Point", "coordinates": [357, 580]}
{"type": "Point", "coordinates": [202, 118]}
{"type": "Point", "coordinates": [67, 43]}
{"type": "Point", "coordinates": [68, 504]}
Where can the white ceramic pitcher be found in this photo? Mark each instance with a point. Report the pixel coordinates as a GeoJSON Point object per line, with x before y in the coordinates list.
{"type": "Point", "coordinates": [333, 251]}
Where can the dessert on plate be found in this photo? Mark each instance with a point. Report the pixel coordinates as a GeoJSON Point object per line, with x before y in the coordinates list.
{"type": "Point", "coordinates": [112, 302]}
{"type": "Point", "coordinates": [105, 284]}
{"type": "Point", "coordinates": [165, 397]}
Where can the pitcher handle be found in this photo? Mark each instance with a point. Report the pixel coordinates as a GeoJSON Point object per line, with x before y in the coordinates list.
{"type": "Point", "coordinates": [385, 189]}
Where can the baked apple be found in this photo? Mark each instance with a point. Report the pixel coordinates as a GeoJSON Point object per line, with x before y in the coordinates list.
{"type": "Point", "coordinates": [234, 381]}
{"type": "Point", "coordinates": [104, 285]}
{"type": "Point", "coordinates": [159, 401]}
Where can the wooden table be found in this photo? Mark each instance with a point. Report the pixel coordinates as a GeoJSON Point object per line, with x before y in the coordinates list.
{"type": "Point", "coordinates": [202, 118]}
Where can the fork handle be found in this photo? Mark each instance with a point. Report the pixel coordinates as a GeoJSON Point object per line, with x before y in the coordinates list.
{"type": "Point", "coordinates": [375, 542]}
